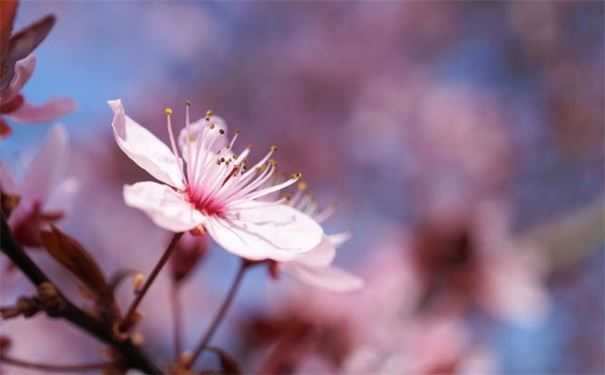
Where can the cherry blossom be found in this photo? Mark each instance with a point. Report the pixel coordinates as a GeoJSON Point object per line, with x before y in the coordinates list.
{"type": "Point", "coordinates": [14, 106]}
{"type": "Point", "coordinates": [461, 261]}
{"type": "Point", "coordinates": [206, 186]}
{"type": "Point", "coordinates": [44, 194]}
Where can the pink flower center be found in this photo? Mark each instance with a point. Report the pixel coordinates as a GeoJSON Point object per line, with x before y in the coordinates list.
{"type": "Point", "coordinates": [205, 203]}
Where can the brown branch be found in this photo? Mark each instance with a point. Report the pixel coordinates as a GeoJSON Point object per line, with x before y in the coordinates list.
{"type": "Point", "coordinates": [131, 355]}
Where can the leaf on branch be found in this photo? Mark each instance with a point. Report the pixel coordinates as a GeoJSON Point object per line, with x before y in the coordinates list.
{"type": "Point", "coordinates": [71, 255]}
{"type": "Point", "coordinates": [228, 364]}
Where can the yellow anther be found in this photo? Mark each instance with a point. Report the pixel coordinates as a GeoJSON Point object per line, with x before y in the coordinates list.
{"type": "Point", "coordinates": [168, 111]}
{"type": "Point", "coordinates": [297, 176]}
{"type": "Point", "coordinates": [302, 186]}
{"type": "Point", "coordinates": [209, 114]}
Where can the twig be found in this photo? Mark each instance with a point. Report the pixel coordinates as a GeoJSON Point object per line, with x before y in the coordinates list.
{"type": "Point", "coordinates": [177, 319]}
{"type": "Point", "coordinates": [131, 355]}
{"type": "Point", "coordinates": [130, 318]}
{"type": "Point", "coordinates": [218, 318]}
{"type": "Point", "coordinates": [53, 368]}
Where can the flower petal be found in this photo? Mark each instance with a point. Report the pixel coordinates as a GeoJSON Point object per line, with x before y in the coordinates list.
{"type": "Point", "coordinates": [24, 69]}
{"type": "Point", "coordinates": [277, 232]}
{"type": "Point", "coordinates": [45, 170]}
{"type": "Point", "coordinates": [190, 135]}
{"type": "Point", "coordinates": [321, 256]}
{"type": "Point", "coordinates": [147, 151]}
{"type": "Point", "coordinates": [49, 111]}
{"type": "Point", "coordinates": [330, 278]}
{"type": "Point", "coordinates": [166, 208]}
{"type": "Point", "coordinates": [63, 196]}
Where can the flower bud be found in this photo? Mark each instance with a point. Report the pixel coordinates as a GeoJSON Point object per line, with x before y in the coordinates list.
{"type": "Point", "coordinates": [189, 252]}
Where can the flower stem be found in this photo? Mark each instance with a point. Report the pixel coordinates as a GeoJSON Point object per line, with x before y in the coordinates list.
{"type": "Point", "coordinates": [53, 368]}
{"type": "Point", "coordinates": [218, 318]}
{"type": "Point", "coordinates": [130, 318]}
{"type": "Point", "coordinates": [177, 319]}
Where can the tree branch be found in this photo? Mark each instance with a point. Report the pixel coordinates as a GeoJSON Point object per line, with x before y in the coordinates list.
{"type": "Point", "coordinates": [131, 355]}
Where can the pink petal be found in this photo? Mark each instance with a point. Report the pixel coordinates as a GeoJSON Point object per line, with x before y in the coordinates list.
{"type": "Point", "coordinates": [321, 256]}
{"type": "Point", "coordinates": [24, 69]}
{"type": "Point", "coordinates": [46, 168]}
{"type": "Point", "coordinates": [330, 278]}
{"type": "Point", "coordinates": [49, 111]}
{"type": "Point", "coordinates": [276, 232]}
{"type": "Point", "coordinates": [514, 289]}
{"type": "Point", "coordinates": [63, 196]}
{"type": "Point", "coordinates": [190, 134]}
{"type": "Point", "coordinates": [145, 149]}
{"type": "Point", "coordinates": [166, 208]}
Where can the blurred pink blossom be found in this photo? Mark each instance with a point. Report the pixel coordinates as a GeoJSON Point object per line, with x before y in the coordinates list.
{"type": "Point", "coordinates": [13, 105]}
{"type": "Point", "coordinates": [472, 260]}
{"type": "Point", "coordinates": [45, 194]}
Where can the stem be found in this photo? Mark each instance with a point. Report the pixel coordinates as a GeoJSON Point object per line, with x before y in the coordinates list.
{"type": "Point", "coordinates": [53, 368]}
{"type": "Point", "coordinates": [131, 355]}
{"type": "Point", "coordinates": [218, 318]}
{"type": "Point", "coordinates": [177, 319]}
{"type": "Point", "coordinates": [129, 320]}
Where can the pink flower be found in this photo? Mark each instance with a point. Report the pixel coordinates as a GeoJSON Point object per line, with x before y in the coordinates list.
{"type": "Point", "coordinates": [315, 267]}
{"type": "Point", "coordinates": [472, 260]}
{"type": "Point", "coordinates": [209, 187]}
{"type": "Point", "coordinates": [44, 193]}
{"type": "Point", "coordinates": [14, 105]}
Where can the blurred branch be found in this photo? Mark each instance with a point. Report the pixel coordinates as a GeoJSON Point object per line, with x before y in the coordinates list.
{"type": "Point", "coordinates": [220, 315]}
{"type": "Point", "coordinates": [131, 355]}
{"type": "Point", "coordinates": [53, 368]}
{"type": "Point", "coordinates": [572, 238]}
{"type": "Point", "coordinates": [177, 319]}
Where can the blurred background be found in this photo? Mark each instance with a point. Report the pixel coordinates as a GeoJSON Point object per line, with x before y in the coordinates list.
{"type": "Point", "coordinates": [460, 142]}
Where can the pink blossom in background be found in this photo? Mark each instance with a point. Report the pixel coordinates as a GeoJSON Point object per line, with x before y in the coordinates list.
{"type": "Point", "coordinates": [471, 260]}
{"type": "Point", "coordinates": [14, 106]}
{"type": "Point", "coordinates": [45, 194]}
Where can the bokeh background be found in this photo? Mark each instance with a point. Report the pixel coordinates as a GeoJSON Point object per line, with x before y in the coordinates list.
{"type": "Point", "coordinates": [434, 127]}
